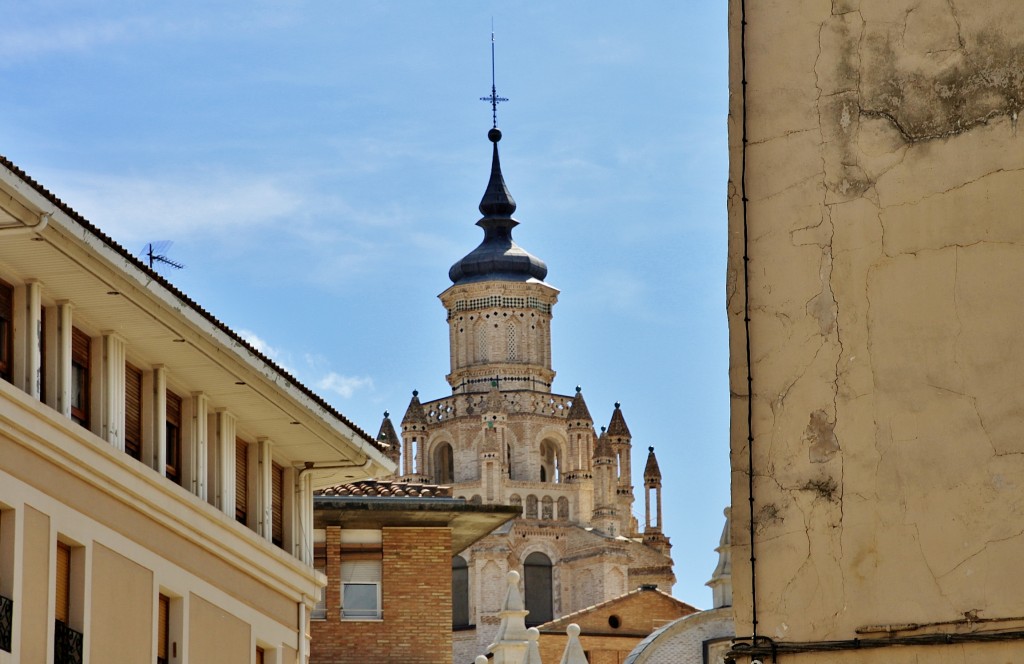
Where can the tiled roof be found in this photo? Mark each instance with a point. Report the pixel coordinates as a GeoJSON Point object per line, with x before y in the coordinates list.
{"type": "Point", "coordinates": [578, 410]}
{"type": "Point", "coordinates": [414, 413]}
{"type": "Point", "coordinates": [385, 489]}
{"type": "Point", "coordinates": [155, 276]}
{"type": "Point", "coordinates": [617, 427]}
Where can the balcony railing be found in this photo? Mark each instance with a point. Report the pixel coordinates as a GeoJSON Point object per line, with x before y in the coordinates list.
{"type": "Point", "coordinates": [6, 623]}
{"type": "Point", "coordinates": [67, 645]}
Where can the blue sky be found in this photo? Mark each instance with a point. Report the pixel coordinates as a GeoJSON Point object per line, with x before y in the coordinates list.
{"type": "Point", "coordinates": [318, 167]}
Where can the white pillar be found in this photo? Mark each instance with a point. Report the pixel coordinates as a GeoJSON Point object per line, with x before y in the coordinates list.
{"type": "Point", "coordinates": [159, 421]}
{"type": "Point", "coordinates": [112, 411]}
{"type": "Point", "coordinates": [304, 536]}
{"type": "Point", "coordinates": [62, 350]}
{"type": "Point", "coordinates": [263, 488]}
{"type": "Point", "coordinates": [290, 509]}
{"type": "Point", "coordinates": [224, 467]}
{"type": "Point", "coordinates": [196, 441]}
{"type": "Point", "coordinates": [33, 339]}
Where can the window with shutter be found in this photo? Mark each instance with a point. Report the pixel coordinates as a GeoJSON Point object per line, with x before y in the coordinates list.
{"type": "Point", "coordinates": [63, 595]}
{"type": "Point", "coordinates": [173, 428]}
{"type": "Point", "coordinates": [361, 554]}
{"type": "Point", "coordinates": [6, 330]}
{"type": "Point", "coordinates": [241, 480]}
{"type": "Point", "coordinates": [360, 589]}
{"type": "Point", "coordinates": [163, 631]}
{"type": "Point", "coordinates": [80, 366]}
{"type": "Point", "coordinates": [277, 504]}
{"type": "Point", "coordinates": [133, 411]}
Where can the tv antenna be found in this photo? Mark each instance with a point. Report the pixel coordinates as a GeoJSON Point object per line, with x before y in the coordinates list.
{"type": "Point", "coordinates": [155, 252]}
{"type": "Point", "coordinates": [494, 99]}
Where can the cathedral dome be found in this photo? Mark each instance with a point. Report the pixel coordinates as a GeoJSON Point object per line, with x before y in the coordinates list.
{"type": "Point", "coordinates": [498, 257]}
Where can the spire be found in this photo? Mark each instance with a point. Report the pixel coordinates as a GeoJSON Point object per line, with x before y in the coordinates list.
{"type": "Point", "coordinates": [414, 413]}
{"type": "Point", "coordinates": [651, 472]}
{"type": "Point", "coordinates": [578, 410]}
{"type": "Point", "coordinates": [721, 578]}
{"type": "Point", "coordinates": [388, 437]}
{"type": "Point", "coordinates": [498, 257]}
{"type": "Point", "coordinates": [617, 427]}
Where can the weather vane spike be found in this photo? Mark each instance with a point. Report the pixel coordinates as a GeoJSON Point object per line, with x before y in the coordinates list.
{"type": "Point", "coordinates": [494, 99]}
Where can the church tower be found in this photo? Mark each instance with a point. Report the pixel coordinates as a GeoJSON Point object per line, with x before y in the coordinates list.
{"type": "Point", "coordinates": [503, 436]}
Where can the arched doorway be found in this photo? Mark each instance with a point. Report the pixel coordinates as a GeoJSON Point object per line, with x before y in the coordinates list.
{"type": "Point", "coordinates": [538, 588]}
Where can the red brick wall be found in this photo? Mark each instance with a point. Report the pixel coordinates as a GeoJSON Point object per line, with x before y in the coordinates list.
{"type": "Point", "coordinates": [416, 589]}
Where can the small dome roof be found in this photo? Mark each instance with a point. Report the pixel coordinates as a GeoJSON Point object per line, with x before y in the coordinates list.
{"type": "Point", "coordinates": [498, 257]}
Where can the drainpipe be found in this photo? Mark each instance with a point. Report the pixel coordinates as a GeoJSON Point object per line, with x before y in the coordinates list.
{"type": "Point", "coordinates": [44, 219]}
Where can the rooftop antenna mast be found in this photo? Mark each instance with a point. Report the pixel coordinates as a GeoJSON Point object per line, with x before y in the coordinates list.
{"type": "Point", "coordinates": [494, 98]}
{"type": "Point", "coordinates": [154, 253]}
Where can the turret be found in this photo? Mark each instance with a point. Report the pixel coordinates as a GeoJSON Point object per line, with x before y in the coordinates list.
{"type": "Point", "coordinates": [621, 442]}
{"type": "Point", "coordinates": [414, 437]}
{"type": "Point", "coordinates": [653, 535]}
{"type": "Point", "coordinates": [580, 428]}
{"type": "Point", "coordinates": [721, 578]}
{"type": "Point", "coordinates": [605, 505]}
{"type": "Point", "coordinates": [389, 440]}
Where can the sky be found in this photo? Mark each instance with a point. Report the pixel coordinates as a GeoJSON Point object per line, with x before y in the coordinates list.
{"type": "Point", "coordinates": [318, 167]}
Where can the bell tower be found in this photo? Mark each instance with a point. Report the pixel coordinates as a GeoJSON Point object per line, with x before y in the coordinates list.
{"type": "Point", "coordinates": [499, 308]}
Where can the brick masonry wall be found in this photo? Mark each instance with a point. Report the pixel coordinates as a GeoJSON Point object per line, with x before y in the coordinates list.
{"type": "Point", "coordinates": [416, 586]}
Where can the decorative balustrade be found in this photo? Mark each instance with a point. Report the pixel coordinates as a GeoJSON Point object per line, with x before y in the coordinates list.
{"type": "Point", "coordinates": [512, 402]}
{"type": "Point", "coordinates": [6, 623]}
{"type": "Point", "coordinates": [67, 644]}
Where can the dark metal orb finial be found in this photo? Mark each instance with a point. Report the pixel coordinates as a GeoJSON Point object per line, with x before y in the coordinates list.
{"type": "Point", "coordinates": [386, 414]}
{"type": "Point", "coordinates": [415, 393]}
{"type": "Point", "coordinates": [617, 404]}
{"type": "Point", "coordinates": [651, 450]}
{"type": "Point", "coordinates": [578, 389]}
{"type": "Point", "coordinates": [494, 135]}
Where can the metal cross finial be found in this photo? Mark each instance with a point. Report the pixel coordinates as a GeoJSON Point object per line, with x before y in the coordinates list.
{"type": "Point", "coordinates": [494, 98]}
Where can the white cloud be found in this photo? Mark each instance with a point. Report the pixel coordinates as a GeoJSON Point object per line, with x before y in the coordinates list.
{"type": "Point", "coordinates": [346, 386]}
{"type": "Point", "coordinates": [134, 210]}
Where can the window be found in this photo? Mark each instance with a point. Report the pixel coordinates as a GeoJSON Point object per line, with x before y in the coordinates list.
{"type": "Point", "coordinates": [6, 330]}
{"type": "Point", "coordinates": [460, 592]}
{"type": "Point", "coordinates": [277, 505]}
{"type": "Point", "coordinates": [361, 574]}
{"type": "Point", "coordinates": [163, 630]}
{"type": "Point", "coordinates": [259, 655]}
{"type": "Point", "coordinates": [538, 587]}
{"type": "Point", "coordinates": [67, 642]}
{"type": "Point", "coordinates": [241, 480]}
{"type": "Point", "coordinates": [444, 464]}
{"type": "Point", "coordinates": [80, 364]}
{"type": "Point", "coordinates": [133, 411]}
{"type": "Point", "coordinates": [173, 428]}
{"type": "Point", "coordinates": [6, 578]}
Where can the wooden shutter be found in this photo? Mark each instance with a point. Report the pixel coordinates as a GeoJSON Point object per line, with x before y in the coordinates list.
{"type": "Point", "coordinates": [163, 637]}
{"type": "Point", "coordinates": [133, 411]}
{"type": "Point", "coordinates": [6, 329]}
{"type": "Point", "coordinates": [241, 480]}
{"type": "Point", "coordinates": [63, 597]}
{"type": "Point", "coordinates": [80, 368]}
{"type": "Point", "coordinates": [277, 504]}
{"type": "Point", "coordinates": [173, 469]}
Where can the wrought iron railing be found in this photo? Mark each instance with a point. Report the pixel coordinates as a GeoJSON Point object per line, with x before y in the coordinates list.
{"type": "Point", "coordinates": [6, 623]}
{"type": "Point", "coordinates": [67, 645]}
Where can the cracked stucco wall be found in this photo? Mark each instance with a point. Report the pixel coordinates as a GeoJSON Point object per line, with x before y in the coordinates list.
{"type": "Point", "coordinates": [885, 178]}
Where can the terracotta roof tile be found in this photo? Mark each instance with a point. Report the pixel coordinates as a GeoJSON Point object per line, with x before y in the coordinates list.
{"type": "Point", "coordinates": [386, 489]}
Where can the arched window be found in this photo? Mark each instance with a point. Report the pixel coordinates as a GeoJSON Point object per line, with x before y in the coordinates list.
{"type": "Point", "coordinates": [563, 508]}
{"type": "Point", "coordinates": [516, 501]}
{"type": "Point", "coordinates": [481, 342]}
{"type": "Point", "coordinates": [460, 592]}
{"type": "Point", "coordinates": [547, 506]}
{"type": "Point", "coordinates": [531, 507]}
{"type": "Point", "coordinates": [538, 587]}
{"type": "Point", "coordinates": [550, 463]}
{"type": "Point", "coordinates": [513, 346]}
{"type": "Point", "coordinates": [444, 464]}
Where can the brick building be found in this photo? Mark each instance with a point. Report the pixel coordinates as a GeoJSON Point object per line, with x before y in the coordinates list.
{"type": "Point", "coordinates": [504, 438]}
{"type": "Point", "coordinates": [386, 549]}
{"type": "Point", "coordinates": [610, 630]}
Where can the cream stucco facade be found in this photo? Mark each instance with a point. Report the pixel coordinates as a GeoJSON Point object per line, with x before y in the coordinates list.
{"type": "Point", "coordinates": [156, 472]}
{"type": "Point", "coordinates": [876, 260]}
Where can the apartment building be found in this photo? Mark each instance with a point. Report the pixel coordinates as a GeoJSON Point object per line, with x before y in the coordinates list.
{"type": "Point", "coordinates": [156, 471]}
